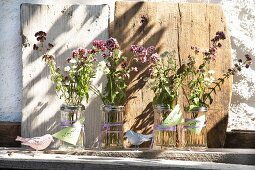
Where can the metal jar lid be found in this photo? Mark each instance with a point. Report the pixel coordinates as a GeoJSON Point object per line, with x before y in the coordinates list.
{"type": "Point", "coordinates": [199, 109]}
{"type": "Point", "coordinates": [72, 107]}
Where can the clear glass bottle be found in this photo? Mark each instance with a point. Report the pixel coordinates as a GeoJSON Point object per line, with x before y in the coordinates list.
{"type": "Point", "coordinates": [112, 127]}
{"type": "Point", "coordinates": [70, 114]}
{"type": "Point", "coordinates": [164, 136]}
{"type": "Point", "coordinates": [195, 132]}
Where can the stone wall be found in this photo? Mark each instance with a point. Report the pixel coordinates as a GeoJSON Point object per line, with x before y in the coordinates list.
{"type": "Point", "coordinates": [240, 15]}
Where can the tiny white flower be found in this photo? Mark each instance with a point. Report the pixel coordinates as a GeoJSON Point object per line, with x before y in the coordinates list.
{"type": "Point", "coordinates": [67, 83]}
{"type": "Point", "coordinates": [207, 79]}
{"type": "Point", "coordinates": [73, 61]}
{"type": "Point", "coordinates": [134, 69]}
{"type": "Point", "coordinates": [67, 68]}
{"type": "Point", "coordinates": [102, 64]}
{"type": "Point", "coordinates": [211, 72]}
{"type": "Point", "coordinates": [106, 70]}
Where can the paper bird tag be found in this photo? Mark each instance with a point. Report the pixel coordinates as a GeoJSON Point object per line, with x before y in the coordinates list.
{"type": "Point", "coordinates": [174, 118]}
{"type": "Point", "coordinates": [196, 125]}
{"type": "Point", "coordinates": [70, 134]}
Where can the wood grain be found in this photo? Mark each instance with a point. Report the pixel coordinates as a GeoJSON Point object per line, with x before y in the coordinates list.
{"type": "Point", "coordinates": [240, 139]}
{"type": "Point", "coordinates": [8, 133]}
{"type": "Point", "coordinates": [144, 24]}
{"type": "Point", "coordinates": [169, 27]}
{"type": "Point", "coordinates": [68, 27]}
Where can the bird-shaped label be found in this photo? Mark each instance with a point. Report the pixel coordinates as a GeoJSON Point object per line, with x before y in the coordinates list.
{"type": "Point", "coordinates": [37, 143]}
{"type": "Point", "coordinates": [137, 138]}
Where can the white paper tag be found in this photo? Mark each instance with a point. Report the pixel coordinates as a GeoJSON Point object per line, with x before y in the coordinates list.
{"type": "Point", "coordinates": [174, 118]}
{"type": "Point", "coordinates": [195, 125]}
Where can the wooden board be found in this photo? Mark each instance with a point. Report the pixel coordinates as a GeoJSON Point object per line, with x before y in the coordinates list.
{"type": "Point", "coordinates": [240, 139]}
{"type": "Point", "coordinates": [68, 27]}
{"type": "Point", "coordinates": [8, 133]}
{"type": "Point", "coordinates": [169, 27]}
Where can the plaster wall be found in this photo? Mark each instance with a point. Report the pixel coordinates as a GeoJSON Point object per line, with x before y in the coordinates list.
{"type": "Point", "coordinates": [241, 22]}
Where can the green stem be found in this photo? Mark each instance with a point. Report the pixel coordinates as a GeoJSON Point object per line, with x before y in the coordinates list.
{"type": "Point", "coordinates": [110, 90]}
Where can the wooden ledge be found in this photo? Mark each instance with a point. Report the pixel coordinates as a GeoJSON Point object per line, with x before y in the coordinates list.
{"type": "Point", "coordinates": [232, 156]}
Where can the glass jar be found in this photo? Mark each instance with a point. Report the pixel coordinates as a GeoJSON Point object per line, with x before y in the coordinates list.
{"type": "Point", "coordinates": [195, 132]}
{"type": "Point", "coordinates": [111, 136]}
{"type": "Point", "coordinates": [70, 115]}
{"type": "Point", "coordinates": [164, 136]}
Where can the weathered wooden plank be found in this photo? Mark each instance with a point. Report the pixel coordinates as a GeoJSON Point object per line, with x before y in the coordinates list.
{"type": "Point", "coordinates": [8, 133]}
{"type": "Point", "coordinates": [172, 27]}
{"type": "Point", "coordinates": [145, 24]}
{"type": "Point", "coordinates": [68, 28]}
{"type": "Point", "coordinates": [240, 139]}
{"type": "Point", "coordinates": [218, 113]}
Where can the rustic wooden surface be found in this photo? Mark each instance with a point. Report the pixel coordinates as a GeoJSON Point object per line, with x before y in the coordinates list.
{"type": "Point", "coordinates": [240, 139]}
{"type": "Point", "coordinates": [172, 27]}
{"type": "Point", "coordinates": [68, 28]}
{"type": "Point", "coordinates": [8, 133]}
{"type": "Point", "coordinates": [17, 158]}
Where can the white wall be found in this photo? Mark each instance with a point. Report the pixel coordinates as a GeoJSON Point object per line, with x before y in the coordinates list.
{"type": "Point", "coordinates": [241, 21]}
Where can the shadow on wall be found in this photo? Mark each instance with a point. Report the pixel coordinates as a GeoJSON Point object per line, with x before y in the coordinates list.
{"type": "Point", "coordinates": [138, 25]}
{"type": "Point", "coordinates": [36, 119]}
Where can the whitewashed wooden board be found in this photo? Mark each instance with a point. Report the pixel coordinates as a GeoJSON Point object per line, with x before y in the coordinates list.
{"type": "Point", "coordinates": [68, 27]}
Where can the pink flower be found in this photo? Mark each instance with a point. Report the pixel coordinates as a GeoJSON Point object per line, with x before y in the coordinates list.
{"type": "Point", "coordinates": [82, 51]}
{"type": "Point", "coordinates": [75, 53]}
{"type": "Point", "coordinates": [112, 44]}
{"type": "Point", "coordinates": [143, 59]}
{"type": "Point", "coordinates": [99, 44]}
{"type": "Point", "coordinates": [154, 57]}
{"type": "Point", "coordinates": [91, 51]}
{"type": "Point", "coordinates": [104, 55]}
{"type": "Point", "coordinates": [151, 50]}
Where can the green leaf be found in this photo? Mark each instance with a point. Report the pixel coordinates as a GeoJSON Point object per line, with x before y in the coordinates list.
{"type": "Point", "coordinates": [192, 107]}
{"type": "Point", "coordinates": [196, 101]}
